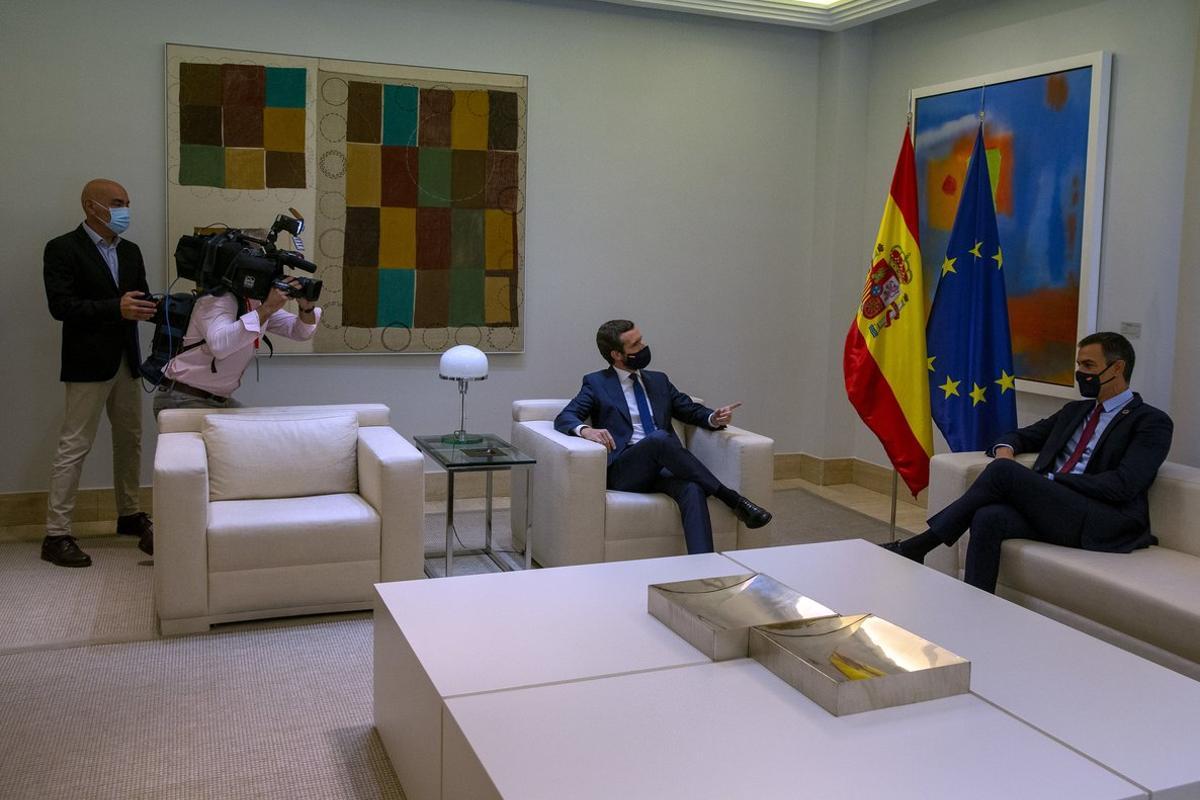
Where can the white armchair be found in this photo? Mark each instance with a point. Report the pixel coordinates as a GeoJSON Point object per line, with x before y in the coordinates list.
{"type": "Point", "coordinates": [269, 512]}
{"type": "Point", "coordinates": [576, 520]}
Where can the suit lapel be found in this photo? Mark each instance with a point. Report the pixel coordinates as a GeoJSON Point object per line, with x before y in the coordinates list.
{"type": "Point", "coordinates": [616, 395]}
{"type": "Point", "coordinates": [1122, 415]}
{"type": "Point", "coordinates": [660, 404]}
{"type": "Point", "coordinates": [92, 254]}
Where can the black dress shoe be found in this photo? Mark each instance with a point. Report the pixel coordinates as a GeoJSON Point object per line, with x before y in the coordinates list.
{"type": "Point", "coordinates": [751, 514]}
{"type": "Point", "coordinates": [894, 547]}
{"type": "Point", "coordinates": [63, 552]}
{"type": "Point", "coordinates": [139, 525]}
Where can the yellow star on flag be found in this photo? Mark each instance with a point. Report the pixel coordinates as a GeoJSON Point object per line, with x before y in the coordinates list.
{"type": "Point", "coordinates": [1006, 382]}
{"type": "Point", "coordinates": [950, 388]}
{"type": "Point", "coordinates": [975, 250]}
{"type": "Point", "coordinates": [977, 394]}
{"type": "Point", "coordinates": [999, 257]}
{"type": "Point", "coordinates": [929, 363]}
{"type": "Point", "coordinates": [948, 265]}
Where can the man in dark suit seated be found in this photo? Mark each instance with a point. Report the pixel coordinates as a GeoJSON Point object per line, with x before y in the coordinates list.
{"type": "Point", "coordinates": [1087, 488]}
{"type": "Point", "coordinates": [96, 286]}
{"type": "Point", "coordinates": [628, 409]}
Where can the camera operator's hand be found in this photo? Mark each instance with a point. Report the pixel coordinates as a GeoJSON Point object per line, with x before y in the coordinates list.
{"type": "Point", "coordinates": [275, 301]}
{"type": "Point", "coordinates": [133, 307]}
{"type": "Point", "coordinates": [306, 306]}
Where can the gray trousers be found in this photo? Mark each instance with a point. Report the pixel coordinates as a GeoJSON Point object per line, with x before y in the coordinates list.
{"type": "Point", "coordinates": [173, 398]}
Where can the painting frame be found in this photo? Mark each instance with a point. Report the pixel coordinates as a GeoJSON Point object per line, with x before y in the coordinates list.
{"type": "Point", "coordinates": [1090, 222]}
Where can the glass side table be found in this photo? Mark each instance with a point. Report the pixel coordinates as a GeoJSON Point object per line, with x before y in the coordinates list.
{"type": "Point", "coordinates": [491, 454]}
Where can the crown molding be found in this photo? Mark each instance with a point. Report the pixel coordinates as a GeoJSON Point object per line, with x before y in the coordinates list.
{"type": "Point", "coordinates": [839, 16]}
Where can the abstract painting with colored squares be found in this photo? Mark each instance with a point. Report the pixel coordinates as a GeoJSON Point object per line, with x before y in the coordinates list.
{"type": "Point", "coordinates": [411, 181]}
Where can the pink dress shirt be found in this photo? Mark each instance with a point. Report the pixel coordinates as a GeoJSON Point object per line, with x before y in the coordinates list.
{"type": "Point", "coordinates": [230, 342]}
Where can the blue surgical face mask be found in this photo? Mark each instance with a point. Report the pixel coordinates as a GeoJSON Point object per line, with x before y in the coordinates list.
{"type": "Point", "coordinates": [118, 221]}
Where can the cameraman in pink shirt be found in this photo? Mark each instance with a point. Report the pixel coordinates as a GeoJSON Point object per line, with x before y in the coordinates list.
{"type": "Point", "coordinates": [223, 336]}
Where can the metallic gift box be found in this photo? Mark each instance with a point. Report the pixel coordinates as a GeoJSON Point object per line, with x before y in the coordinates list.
{"type": "Point", "coordinates": [715, 615]}
{"type": "Point", "coordinates": [848, 664]}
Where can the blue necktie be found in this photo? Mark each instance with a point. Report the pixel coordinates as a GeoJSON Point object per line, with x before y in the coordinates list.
{"type": "Point", "coordinates": [639, 395]}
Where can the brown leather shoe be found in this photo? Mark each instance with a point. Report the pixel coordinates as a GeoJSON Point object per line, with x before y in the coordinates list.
{"type": "Point", "coordinates": [139, 525]}
{"type": "Point", "coordinates": [63, 552]}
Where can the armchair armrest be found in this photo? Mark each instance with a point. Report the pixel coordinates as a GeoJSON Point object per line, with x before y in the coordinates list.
{"type": "Point", "coordinates": [743, 461]}
{"type": "Point", "coordinates": [567, 498]}
{"type": "Point", "coordinates": [181, 527]}
{"type": "Point", "coordinates": [391, 477]}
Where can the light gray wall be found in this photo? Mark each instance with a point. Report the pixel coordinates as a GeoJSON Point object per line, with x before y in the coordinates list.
{"type": "Point", "coordinates": [1186, 447]}
{"type": "Point", "coordinates": [718, 182]}
{"type": "Point", "coordinates": [669, 180]}
{"type": "Point", "coordinates": [1154, 46]}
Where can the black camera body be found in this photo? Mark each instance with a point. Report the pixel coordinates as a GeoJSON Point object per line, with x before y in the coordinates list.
{"type": "Point", "coordinates": [309, 288]}
{"type": "Point", "coordinates": [247, 266]}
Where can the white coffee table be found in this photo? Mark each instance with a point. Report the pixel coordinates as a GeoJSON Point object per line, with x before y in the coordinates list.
{"type": "Point", "coordinates": [733, 731]}
{"type": "Point", "coordinates": [558, 683]}
{"type": "Point", "coordinates": [1135, 717]}
{"type": "Point", "coordinates": [437, 639]}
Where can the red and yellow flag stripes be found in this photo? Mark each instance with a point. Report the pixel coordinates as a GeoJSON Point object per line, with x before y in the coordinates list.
{"type": "Point", "coordinates": [884, 360]}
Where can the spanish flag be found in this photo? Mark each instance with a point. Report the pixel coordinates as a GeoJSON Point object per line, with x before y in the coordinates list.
{"type": "Point", "coordinates": [884, 360]}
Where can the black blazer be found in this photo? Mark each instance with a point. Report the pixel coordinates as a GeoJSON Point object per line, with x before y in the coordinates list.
{"type": "Point", "coordinates": [82, 295]}
{"type": "Point", "coordinates": [1119, 472]}
{"type": "Point", "coordinates": [601, 404]}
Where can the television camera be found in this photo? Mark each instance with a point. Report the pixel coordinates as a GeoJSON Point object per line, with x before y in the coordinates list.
{"type": "Point", "coordinates": [248, 266]}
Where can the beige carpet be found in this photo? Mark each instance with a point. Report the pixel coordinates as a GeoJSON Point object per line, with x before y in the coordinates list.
{"type": "Point", "coordinates": [112, 601]}
{"type": "Point", "coordinates": [278, 709]}
{"type": "Point", "coordinates": [257, 712]}
{"type": "Point", "coordinates": [49, 606]}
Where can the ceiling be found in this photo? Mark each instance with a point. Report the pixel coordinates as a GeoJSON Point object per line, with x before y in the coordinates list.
{"type": "Point", "coordinates": [826, 15]}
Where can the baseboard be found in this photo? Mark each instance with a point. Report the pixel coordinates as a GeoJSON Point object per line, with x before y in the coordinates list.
{"type": "Point", "coordinates": [833, 471]}
{"type": "Point", "coordinates": [96, 505]}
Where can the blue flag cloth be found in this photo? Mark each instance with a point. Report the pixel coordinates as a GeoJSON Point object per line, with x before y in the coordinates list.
{"type": "Point", "coordinates": [972, 393]}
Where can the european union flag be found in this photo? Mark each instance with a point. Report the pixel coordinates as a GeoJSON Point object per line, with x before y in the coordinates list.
{"type": "Point", "coordinates": [972, 393]}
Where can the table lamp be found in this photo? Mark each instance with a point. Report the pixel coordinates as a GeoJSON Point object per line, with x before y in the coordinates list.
{"type": "Point", "coordinates": [463, 363]}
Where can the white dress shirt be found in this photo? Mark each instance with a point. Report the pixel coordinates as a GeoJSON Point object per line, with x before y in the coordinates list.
{"type": "Point", "coordinates": [107, 251]}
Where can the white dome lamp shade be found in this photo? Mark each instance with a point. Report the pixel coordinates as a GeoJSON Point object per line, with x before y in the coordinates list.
{"type": "Point", "coordinates": [463, 363]}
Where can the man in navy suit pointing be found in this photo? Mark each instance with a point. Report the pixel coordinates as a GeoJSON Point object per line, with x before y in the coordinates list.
{"type": "Point", "coordinates": [628, 409]}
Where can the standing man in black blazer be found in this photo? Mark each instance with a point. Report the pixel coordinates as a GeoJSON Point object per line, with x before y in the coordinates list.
{"type": "Point", "coordinates": [628, 409]}
{"type": "Point", "coordinates": [1096, 460]}
{"type": "Point", "coordinates": [96, 286]}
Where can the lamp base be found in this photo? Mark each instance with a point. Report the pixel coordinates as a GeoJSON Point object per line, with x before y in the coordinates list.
{"type": "Point", "coordinates": [462, 437]}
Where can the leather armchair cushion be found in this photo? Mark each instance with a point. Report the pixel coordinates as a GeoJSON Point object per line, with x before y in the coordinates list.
{"type": "Point", "coordinates": [293, 455]}
{"type": "Point", "coordinates": [258, 534]}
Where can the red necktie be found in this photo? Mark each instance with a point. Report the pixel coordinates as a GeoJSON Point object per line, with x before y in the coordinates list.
{"type": "Point", "coordinates": [1084, 439]}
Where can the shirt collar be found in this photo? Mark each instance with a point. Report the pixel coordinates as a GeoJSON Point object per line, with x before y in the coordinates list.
{"type": "Point", "coordinates": [97, 239]}
{"type": "Point", "coordinates": [625, 375]}
{"type": "Point", "coordinates": [1114, 403]}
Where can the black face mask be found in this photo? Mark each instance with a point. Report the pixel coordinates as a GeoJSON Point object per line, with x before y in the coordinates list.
{"type": "Point", "coordinates": [639, 360]}
{"type": "Point", "coordinates": [1090, 383]}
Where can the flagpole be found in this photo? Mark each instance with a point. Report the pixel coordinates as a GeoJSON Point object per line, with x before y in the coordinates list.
{"type": "Point", "coordinates": [895, 495]}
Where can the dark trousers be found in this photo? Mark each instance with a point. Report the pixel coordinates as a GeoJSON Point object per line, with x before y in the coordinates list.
{"type": "Point", "coordinates": [660, 463]}
{"type": "Point", "coordinates": [1010, 501]}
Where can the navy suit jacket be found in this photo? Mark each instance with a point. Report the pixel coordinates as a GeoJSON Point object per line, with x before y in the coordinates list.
{"type": "Point", "coordinates": [82, 295]}
{"type": "Point", "coordinates": [1119, 472]}
{"type": "Point", "coordinates": [601, 404]}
